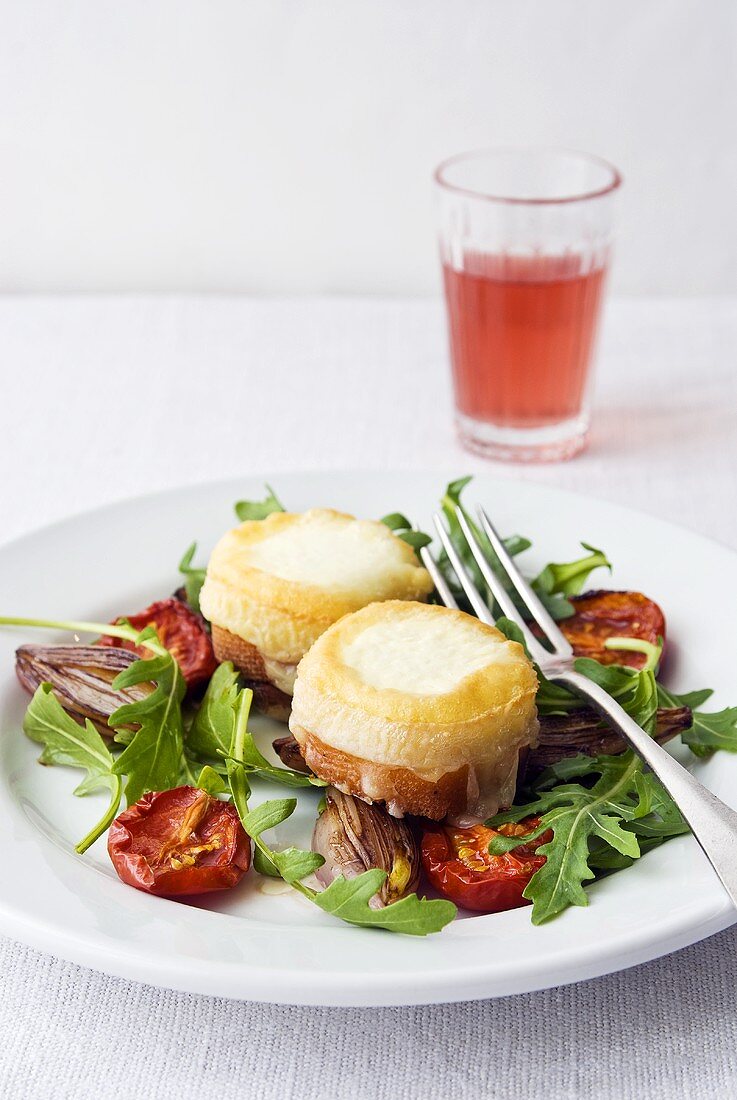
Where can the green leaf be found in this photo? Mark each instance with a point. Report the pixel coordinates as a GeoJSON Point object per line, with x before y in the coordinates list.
{"type": "Point", "coordinates": [189, 768]}
{"type": "Point", "coordinates": [258, 509]}
{"type": "Point", "coordinates": [194, 577]}
{"type": "Point", "coordinates": [211, 731]}
{"type": "Point", "coordinates": [152, 759]}
{"type": "Point", "coordinates": [634, 689]}
{"type": "Point", "coordinates": [268, 815]}
{"type": "Point", "coordinates": [566, 769]}
{"type": "Point", "coordinates": [68, 743]}
{"type": "Point", "coordinates": [554, 583]}
{"type": "Point", "coordinates": [623, 805]}
{"type": "Point", "coordinates": [516, 544]}
{"type": "Point", "coordinates": [209, 780]}
{"type": "Point", "coordinates": [663, 818]}
{"type": "Point", "coordinates": [294, 864]}
{"type": "Point", "coordinates": [568, 578]}
{"type": "Point", "coordinates": [395, 521]}
{"type": "Point", "coordinates": [413, 916]}
{"type": "Point", "coordinates": [403, 529]}
{"type": "Point", "coordinates": [455, 488]}
{"type": "Point", "coordinates": [691, 699]}
{"type": "Point", "coordinates": [415, 539]}
{"type": "Point", "coordinates": [451, 501]}
{"type": "Point", "coordinates": [709, 731]}
{"type": "Point", "coordinates": [264, 864]}
{"type": "Point", "coordinates": [256, 764]}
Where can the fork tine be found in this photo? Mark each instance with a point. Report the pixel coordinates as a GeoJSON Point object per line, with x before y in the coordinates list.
{"type": "Point", "coordinates": [500, 593]}
{"type": "Point", "coordinates": [476, 599]}
{"type": "Point", "coordinates": [442, 586]}
{"type": "Point", "coordinates": [534, 604]}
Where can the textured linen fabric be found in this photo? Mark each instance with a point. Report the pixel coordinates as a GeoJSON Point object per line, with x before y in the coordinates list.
{"type": "Point", "coordinates": [663, 1031]}
{"type": "Point", "coordinates": [106, 397]}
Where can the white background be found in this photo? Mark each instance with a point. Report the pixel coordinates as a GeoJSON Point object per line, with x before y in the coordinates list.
{"type": "Point", "coordinates": [287, 145]}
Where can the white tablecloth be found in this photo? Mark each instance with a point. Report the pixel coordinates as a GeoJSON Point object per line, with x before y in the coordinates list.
{"type": "Point", "coordinates": [107, 397]}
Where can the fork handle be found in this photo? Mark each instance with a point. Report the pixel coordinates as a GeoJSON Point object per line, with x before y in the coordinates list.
{"type": "Point", "coordinates": [713, 823]}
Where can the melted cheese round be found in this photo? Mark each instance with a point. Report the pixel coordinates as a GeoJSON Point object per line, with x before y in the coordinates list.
{"type": "Point", "coordinates": [422, 655]}
{"type": "Point", "coordinates": [337, 554]}
{"type": "Point", "coordinates": [279, 583]}
{"type": "Point", "coordinates": [420, 687]}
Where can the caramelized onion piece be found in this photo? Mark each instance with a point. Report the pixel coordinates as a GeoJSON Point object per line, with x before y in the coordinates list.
{"type": "Point", "coordinates": [584, 732]}
{"type": "Point", "coordinates": [288, 750]}
{"type": "Point", "coordinates": [81, 678]}
{"type": "Point", "coordinates": [354, 837]}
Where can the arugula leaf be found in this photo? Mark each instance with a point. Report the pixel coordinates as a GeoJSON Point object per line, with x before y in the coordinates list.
{"type": "Point", "coordinates": [268, 815]}
{"type": "Point", "coordinates": [558, 580]}
{"type": "Point", "coordinates": [211, 732]}
{"type": "Point", "coordinates": [259, 509]}
{"type": "Point", "coordinates": [553, 584]}
{"type": "Point", "coordinates": [264, 865]}
{"type": "Point", "coordinates": [189, 769]}
{"type": "Point", "coordinates": [395, 521]}
{"type": "Point", "coordinates": [347, 899]}
{"type": "Point", "coordinates": [662, 821]}
{"type": "Point", "coordinates": [194, 577]}
{"type": "Point", "coordinates": [568, 578]}
{"type": "Point", "coordinates": [291, 864]}
{"type": "Point", "coordinates": [576, 814]}
{"type": "Point", "coordinates": [152, 758]}
{"type": "Point", "coordinates": [256, 764]}
{"type": "Point", "coordinates": [604, 826]}
{"type": "Point", "coordinates": [404, 530]}
{"type": "Point", "coordinates": [634, 689]}
{"type": "Point", "coordinates": [209, 780]}
{"type": "Point", "coordinates": [515, 545]}
{"type": "Point", "coordinates": [66, 742]}
{"type": "Point", "coordinates": [709, 730]}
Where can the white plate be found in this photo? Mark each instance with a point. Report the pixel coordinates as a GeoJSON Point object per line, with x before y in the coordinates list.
{"type": "Point", "coordinates": [277, 947]}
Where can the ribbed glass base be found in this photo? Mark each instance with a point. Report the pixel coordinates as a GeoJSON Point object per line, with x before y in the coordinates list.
{"type": "Point", "coordinates": [554, 443]}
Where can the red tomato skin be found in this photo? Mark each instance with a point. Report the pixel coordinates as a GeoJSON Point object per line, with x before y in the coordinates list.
{"type": "Point", "coordinates": [603, 614]}
{"type": "Point", "coordinates": [137, 836]}
{"type": "Point", "coordinates": [492, 890]}
{"type": "Point", "coordinates": [183, 633]}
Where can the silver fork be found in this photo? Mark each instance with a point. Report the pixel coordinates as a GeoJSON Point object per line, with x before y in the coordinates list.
{"type": "Point", "coordinates": [713, 823]}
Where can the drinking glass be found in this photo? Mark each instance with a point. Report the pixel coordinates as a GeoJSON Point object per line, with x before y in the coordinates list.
{"type": "Point", "coordinates": [525, 243]}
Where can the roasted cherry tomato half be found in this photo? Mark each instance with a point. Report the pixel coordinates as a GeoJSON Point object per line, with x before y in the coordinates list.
{"type": "Point", "coordinates": [604, 614]}
{"type": "Point", "coordinates": [184, 634]}
{"type": "Point", "coordinates": [458, 864]}
{"type": "Point", "coordinates": [179, 842]}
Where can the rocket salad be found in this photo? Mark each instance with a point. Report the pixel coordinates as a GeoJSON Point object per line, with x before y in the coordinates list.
{"type": "Point", "coordinates": [148, 715]}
